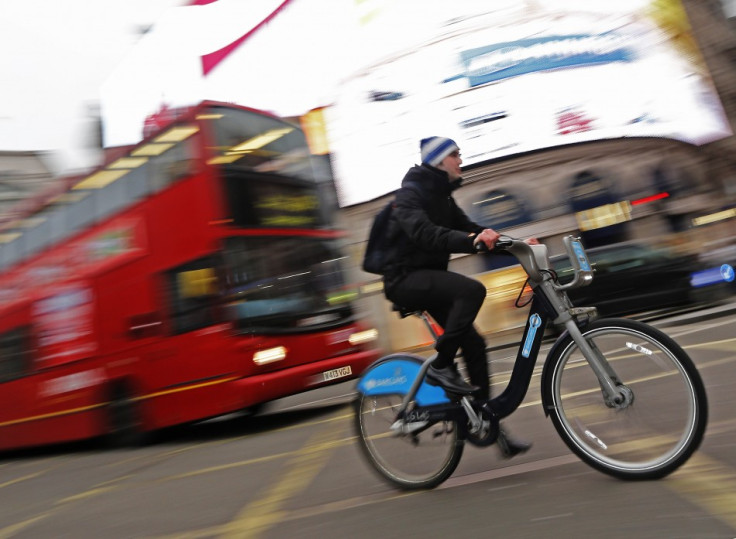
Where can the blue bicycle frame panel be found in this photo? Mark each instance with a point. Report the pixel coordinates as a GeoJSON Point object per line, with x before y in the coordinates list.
{"type": "Point", "coordinates": [526, 358]}
{"type": "Point", "coordinates": [395, 376]}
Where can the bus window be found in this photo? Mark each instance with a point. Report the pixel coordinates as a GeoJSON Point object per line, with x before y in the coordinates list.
{"type": "Point", "coordinates": [178, 161]}
{"type": "Point", "coordinates": [193, 295]}
{"type": "Point", "coordinates": [260, 143]}
{"type": "Point", "coordinates": [15, 354]}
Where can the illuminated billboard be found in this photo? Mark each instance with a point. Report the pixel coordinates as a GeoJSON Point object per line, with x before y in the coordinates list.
{"type": "Point", "coordinates": [508, 77]}
{"type": "Point", "coordinates": [500, 77]}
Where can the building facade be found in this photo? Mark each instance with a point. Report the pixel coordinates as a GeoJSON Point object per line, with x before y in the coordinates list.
{"type": "Point", "coordinates": [22, 174]}
{"type": "Point", "coordinates": [648, 189]}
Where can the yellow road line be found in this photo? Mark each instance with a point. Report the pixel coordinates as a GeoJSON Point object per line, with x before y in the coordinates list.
{"type": "Point", "coordinates": [229, 465]}
{"type": "Point", "coordinates": [10, 531]}
{"type": "Point", "coordinates": [101, 488]}
{"type": "Point", "coordinates": [710, 343]}
{"type": "Point", "coordinates": [20, 479]}
{"type": "Point", "coordinates": [702, 481]}
{"type": "Point", "coordinates": [708, 484]}
{"type": "Point", "coordinates": [260, 515]}
{"type": "Point", "coordinates": [115, 484]}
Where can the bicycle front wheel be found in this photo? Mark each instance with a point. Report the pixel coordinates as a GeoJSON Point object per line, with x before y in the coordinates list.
{"type": "Point", "coordinates": [662, 419]}
{"type": "Point", "coordinates": [421, 459]}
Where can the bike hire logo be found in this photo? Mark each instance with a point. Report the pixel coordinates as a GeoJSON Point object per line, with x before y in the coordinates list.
{"type": "Point", "coordinates": [535, 321]}
{"type": "Point", "coordinates": [504, 60]}
{"type": "Point", "coordinates": [581, 256]}
{"type": "Point", "coordinates": [398, 379]}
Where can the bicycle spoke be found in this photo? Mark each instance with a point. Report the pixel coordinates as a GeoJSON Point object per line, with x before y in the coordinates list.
{"type": "Point", "coordinates": [662, 418]}
{"type": "Point", "coordinates": [419, 459]}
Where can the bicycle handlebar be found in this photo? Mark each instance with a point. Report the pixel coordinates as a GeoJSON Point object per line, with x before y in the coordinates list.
{"type": "Point", "coordinates": [534, 259]}
{"type": "Point", "coordinates": [519, 249]}
{"type": "Point", "coordinates": [501, 244]}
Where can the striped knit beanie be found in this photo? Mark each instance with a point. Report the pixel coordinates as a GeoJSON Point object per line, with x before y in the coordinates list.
{"type": "Point", "coordinates": [435, 149]}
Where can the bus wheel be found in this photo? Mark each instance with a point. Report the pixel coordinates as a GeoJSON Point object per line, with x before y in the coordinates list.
{"type": "Point", "coordinates": [124, 423]}
{"type": "Point", "coordinates": [255, 409]}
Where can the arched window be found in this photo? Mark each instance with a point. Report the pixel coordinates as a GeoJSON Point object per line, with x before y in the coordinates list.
{"type": "Point", "coordinates": [499, 209]}
{"type": "Point", "coordinates": [599, 211]}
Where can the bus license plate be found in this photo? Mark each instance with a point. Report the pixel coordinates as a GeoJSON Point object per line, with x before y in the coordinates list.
{"type": "Point", "coordinates": [334, 374]}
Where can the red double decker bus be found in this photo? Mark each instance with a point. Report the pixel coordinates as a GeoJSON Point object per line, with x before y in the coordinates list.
{"type": "Point", "coordinates": [196, 275]}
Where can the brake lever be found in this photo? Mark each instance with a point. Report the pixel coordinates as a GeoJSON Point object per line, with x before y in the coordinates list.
{"type": "Point", "coordinates": [502, 243]}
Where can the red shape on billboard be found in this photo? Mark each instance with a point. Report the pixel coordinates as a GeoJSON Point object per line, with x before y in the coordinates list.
{"type": "Point", "coordinates": [212, 60]}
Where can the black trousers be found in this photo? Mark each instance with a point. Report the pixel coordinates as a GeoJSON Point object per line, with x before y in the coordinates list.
{"type": "Point", "coordinates": [453, 300]}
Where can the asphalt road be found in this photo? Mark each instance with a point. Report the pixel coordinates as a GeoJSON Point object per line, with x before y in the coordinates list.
{"type": "Point", "coordinates": [295, 471]}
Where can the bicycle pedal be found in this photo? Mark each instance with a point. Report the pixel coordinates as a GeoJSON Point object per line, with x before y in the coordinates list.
{"type": "Point", "coordinates": [484, 427]}
{"type": "Point", "coordinates": [400, 427]}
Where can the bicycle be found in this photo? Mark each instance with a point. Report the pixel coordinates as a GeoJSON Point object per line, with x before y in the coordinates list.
{"type": "Point", "coordinates": [624, 396]}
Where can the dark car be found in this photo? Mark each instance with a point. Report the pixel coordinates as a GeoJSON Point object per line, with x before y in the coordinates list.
{"type": "Point", "coordinates": [634, 277]}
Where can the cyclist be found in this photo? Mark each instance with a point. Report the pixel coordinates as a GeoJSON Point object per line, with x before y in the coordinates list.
{"type": "Point", "coordinates": [431, 226]}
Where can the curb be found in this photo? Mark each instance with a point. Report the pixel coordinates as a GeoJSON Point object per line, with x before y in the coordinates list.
{"type": "Point", "coordinates": [660, 319]}
{"type": "Point", "coordinates": [694, 316]}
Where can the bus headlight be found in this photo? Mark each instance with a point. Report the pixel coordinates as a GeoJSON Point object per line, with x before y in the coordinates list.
{"type": "Point", "coordinates": [269, 355]}
{"type": "Point", "coordinates": [362, 337]}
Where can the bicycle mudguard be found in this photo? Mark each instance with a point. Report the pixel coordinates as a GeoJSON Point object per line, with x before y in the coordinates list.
{"type": "Point", "coordinates": [395, 375]}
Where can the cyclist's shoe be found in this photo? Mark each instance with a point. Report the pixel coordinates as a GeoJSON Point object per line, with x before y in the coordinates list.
{"type": "Point", "coordinates": [510, 447]}
{"type": "Point", "coordinates": [450, 380]}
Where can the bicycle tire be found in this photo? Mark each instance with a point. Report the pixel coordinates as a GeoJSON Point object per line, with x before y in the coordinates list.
{"type": "Point", "coordinates": [657, 431]}
{"type": "Point", "coordinates": [421, 460]}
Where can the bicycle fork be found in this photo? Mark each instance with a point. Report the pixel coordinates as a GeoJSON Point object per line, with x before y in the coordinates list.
{"type": "Point", "coordinates": [615, 394]}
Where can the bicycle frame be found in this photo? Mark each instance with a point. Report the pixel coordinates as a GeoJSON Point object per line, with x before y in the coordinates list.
{"type": "Point", "coordinates": [550, 302]}
{"type": "Point", "coordinates": [499, 407]}
{"type": "Point", "coordinates": [526, 358]}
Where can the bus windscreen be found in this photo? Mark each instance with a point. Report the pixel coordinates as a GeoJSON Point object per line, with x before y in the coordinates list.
{"type": "Point", "coordinates": [285, 283]}
{"type": "Point", "coordinates": [258, 143]}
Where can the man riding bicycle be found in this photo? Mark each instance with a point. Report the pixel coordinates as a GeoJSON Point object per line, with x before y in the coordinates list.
{"type": "Point", "coordinates": [431, 227]}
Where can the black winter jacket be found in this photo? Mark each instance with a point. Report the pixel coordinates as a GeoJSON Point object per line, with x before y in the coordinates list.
{"type": "Point", "coordinates": [432, 225]}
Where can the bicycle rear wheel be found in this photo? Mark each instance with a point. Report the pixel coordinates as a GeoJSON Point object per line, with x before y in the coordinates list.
{"type": "Point", "coordinates": [422, 459]}
{"type": "Point", "coordinates": [663, 419]}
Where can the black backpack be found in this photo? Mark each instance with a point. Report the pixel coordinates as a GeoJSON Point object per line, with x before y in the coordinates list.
{"type": "Point", "coordinates": [384, 241]}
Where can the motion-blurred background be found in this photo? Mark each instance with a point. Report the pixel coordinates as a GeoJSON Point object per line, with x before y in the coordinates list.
{"type": "Point", "coordinates": [611, 120]}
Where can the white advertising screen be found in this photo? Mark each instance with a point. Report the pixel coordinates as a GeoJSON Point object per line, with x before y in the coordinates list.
{"type": "Point", "coordinates": [507, 77]}
{"type": "Point", "coordinates": [500, 77]}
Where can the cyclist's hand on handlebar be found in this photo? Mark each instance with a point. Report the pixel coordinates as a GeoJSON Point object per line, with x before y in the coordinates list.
{"type": "Point", "coordinates": [497, 241]}
{"type": "Point", "coordinates": [486, 240]}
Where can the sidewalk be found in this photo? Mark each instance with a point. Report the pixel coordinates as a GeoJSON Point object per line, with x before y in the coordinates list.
{"type": "Point", "coordinates": [512, 337]}
{"type": "Point", "coordinates": [694, 315]}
